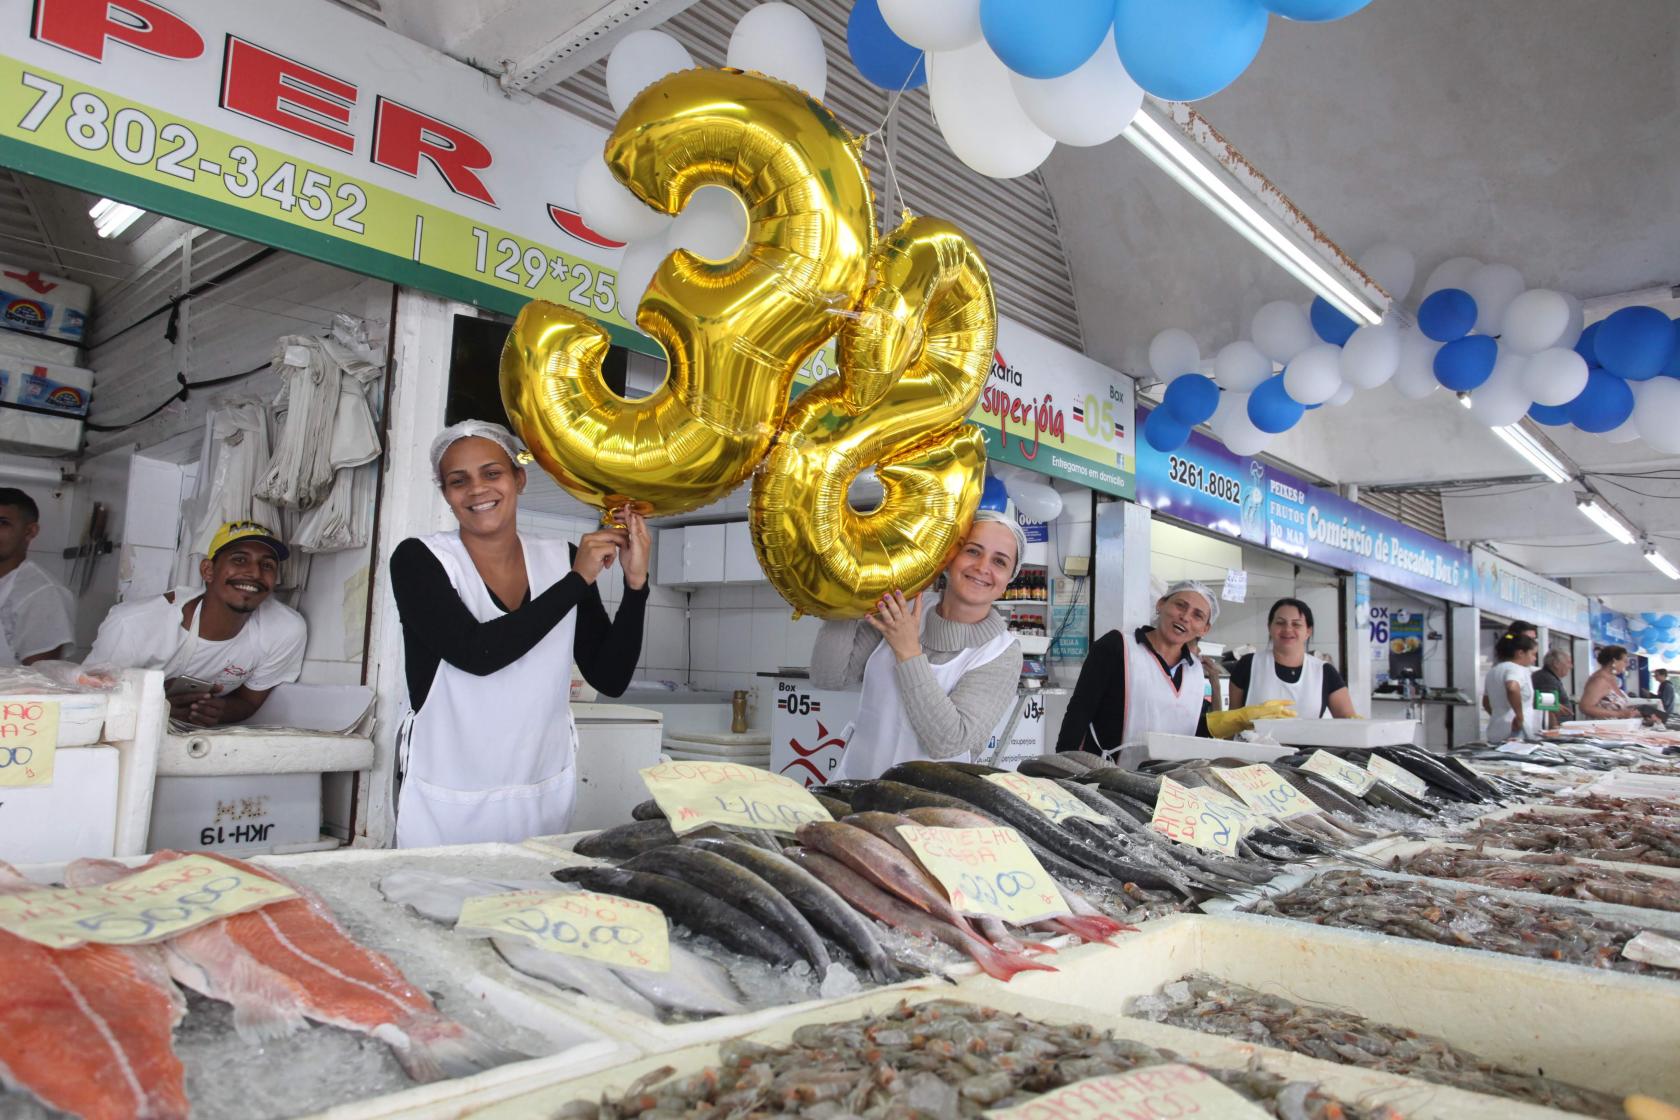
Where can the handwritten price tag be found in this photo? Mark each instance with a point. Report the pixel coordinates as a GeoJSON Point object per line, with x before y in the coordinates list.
{"type": "Point", "coordinates": [618, 932]}
{"type": "Point", "coordinates": [1047, 797]}
{"type": "Point", "coordinates": [695, 794]}
{"type": "Point", "coordinates": [1340, 772]}
{"type": "Point", "coordinates": [147, 906]}
{"type": "Point", "coordinates": [1164, 1090]}
{"type": "Point", "coordinates": [987, 871]}
{"type": "Point", "coordinates": [1229, 809]}
{"type": "Point", "coordinates": [1262, 790]}
{"type": "Point", "coordinates": [1182, 815]}
{"type": "Point", "coordinates": [1397, 776]}
{"type": "Point", "coordinates": [28, 742]}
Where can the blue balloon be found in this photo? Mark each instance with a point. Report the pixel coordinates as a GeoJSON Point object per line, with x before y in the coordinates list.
{"type": "Point", "coordinates": [994, 496]}
{"type": "Point", "coordinates": [1332, 326]}
{"type": "Point", "coordinates": [1551, 415]}
{"type": "Point", "coordinates": [1191, 398]}
{"type": "Point", "coordinates": [1314, 11]}
{"type": "Point", "coordinates": [1464, 363]}
{"type": "Point", "coordinates": [1183, 50]}
{"type": "Point", "coordinates": [1585, 345]}
{"type": "Point", "coordinates": [1447, 315]}
{"type": "Point", "coordinates": [1604, 404]}
{"type": "Point", "coordinates": [1672, 367]}
{"type": "Point", "coordinates": [1271, 409]}
{"type": "Point", "coordinates": [1165, 432]}
{"type": "Point", "coordinates": [1039, 43]}
{"type": "Point", "coordinates": [881, 56]}
{"type": "Point", "coordinates": [1635, 343]}
{"type": "Point", "coordinates": [1667, 622]}
{"type": "Point", "coordinates": [1650, 617]}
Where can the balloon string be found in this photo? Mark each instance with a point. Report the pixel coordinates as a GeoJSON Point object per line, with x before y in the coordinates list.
{"type": "Point", "coordinates": [881, 130]}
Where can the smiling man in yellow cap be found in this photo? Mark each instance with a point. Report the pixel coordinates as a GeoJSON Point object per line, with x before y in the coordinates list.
{"type": "Point", "coordinates": [220, 650]}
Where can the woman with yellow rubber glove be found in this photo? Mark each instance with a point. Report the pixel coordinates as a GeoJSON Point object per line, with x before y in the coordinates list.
{"type": "Point", "coordinates": [1152, 682]}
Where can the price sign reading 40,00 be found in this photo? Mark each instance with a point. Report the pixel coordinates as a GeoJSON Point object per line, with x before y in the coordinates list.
{"type": "Point", "coordinates": [693, 794]}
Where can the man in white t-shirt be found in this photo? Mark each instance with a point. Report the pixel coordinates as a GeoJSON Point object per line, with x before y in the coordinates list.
{"type": "Point", "coordinates": [35, 609]}
{"type": "Point", "coordinates": [221, 651]}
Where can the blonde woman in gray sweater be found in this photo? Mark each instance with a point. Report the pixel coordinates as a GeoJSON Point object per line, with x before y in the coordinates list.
{"type": "Point", "coordinates": [938, 673]}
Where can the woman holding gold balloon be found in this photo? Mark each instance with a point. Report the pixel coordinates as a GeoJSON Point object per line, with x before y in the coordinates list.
{"type": "Point", "coordinates": [492, 622]}
{"type": "Point", "coordinates": [936, 675]}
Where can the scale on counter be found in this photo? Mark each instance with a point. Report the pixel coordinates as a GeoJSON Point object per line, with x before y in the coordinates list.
{"type": "Point", "coordinates": [1034, 673]}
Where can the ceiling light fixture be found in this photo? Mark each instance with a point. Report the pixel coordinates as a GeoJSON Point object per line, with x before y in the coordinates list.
{"type": "Point", "coordinates": [1660, 562]}
{"type": "Point", "coordinates": [1166, 146]}
{"type": "Point", "coordinates": [1524, 444]}
{"type": "Point", "coordinates": [111, 218]}
{"type": "Point", "coordinates": [1594, 510]}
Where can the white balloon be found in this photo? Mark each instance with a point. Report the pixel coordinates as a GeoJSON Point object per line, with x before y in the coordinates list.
{"type": "Point", "coordinates": [713, 226]}
{"type": "Point", "coordinates": [1536, 320]}
{"type": "Point", "coordinates": [1555, 376]}
{"type": "Point", "coordinates": [1577, 321]}
{"type": "Point", "coordinates": [635, 272]}
{"type": "Point", "coordinates": [1391, 266]}
{"type": "Point", "coordinates": [1281, 330]}
{"type": "Point", "coordinates": [977, 113]}
{"type": "Point", "coordinates": [781, 41]}
{"type": "Point", "coordinates": [934, 25]}
{"type": "Point", "coordinates": [1452, 273]}
{"type": "Point", "coordinates": [1343, 396]}
{"type": "Point", "coordinates": [1371, 355]}
{"type": "Point", "coordinates": [1656, 404]}
{"type": "Point", "coordinates": [640, 59]}
{"type": "Point", "coordinates": [608, 207]}
{"type": "Point", "coordinates": [1501, 399]}
{"type": "Point", "coordinates": [1247, 441]}
{"type": "Point", "coordinates": [1414, 378]}
{"type": "Point", "coordinates": [1493, 287]}
{"type": "Point", "coordinates": [1036, 501]}
{"type": "Point", "coordinates": [1240, 366]}
{"type": "Point", "coordinates": [1628, 431]}
{"type": "Point", "coordinates": [1174, 353]}
{"type": "Point", "coordinates": [1090, 106]}
{"type": "Point", "coordinates": [1233, 427]}
{"type": "Point", "coordinates": [1315, 374]}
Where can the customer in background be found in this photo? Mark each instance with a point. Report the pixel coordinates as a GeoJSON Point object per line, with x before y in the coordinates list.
{"type": "Point", "coordinates": [1509, 689]}
{"type": "Point", "coordinates": [221, 650]}
{"type": "Point", "coordinates": [1665, 691]}
{"type": "Point", "coordinates": [1603, 697]}
{"type": "Point", "coordinates": [1285, 670]}
{"type": "Point", "coordinates": [35, 609]}
{"type": "Point", "coordinates": [1554, 670]}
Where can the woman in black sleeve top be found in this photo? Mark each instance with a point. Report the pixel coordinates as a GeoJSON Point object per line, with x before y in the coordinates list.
{"type": "Point", "coordinates": [492, 622]}
{"type": "Point", "coordinates": [1287, 671]}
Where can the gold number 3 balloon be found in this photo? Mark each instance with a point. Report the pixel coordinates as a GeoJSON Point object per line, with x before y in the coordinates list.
{"type": "Point", "coordinates": [913, 356]}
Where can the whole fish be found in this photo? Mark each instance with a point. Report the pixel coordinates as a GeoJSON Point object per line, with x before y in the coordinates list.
{"type": "Point", "coordinates": [824, 909]}
{"type": "Point", "coordinates": [648, 810]}
{"type": "Point", "coordinates": [438, 897]}
{"type": "Point", "coordinates": [1141, 787]}
{"type": "Point", "coordinates": [883, 865]}
{"type": "Point", "coordinates": [836, 808]}
{"type": "Point", "coordinates": [884, 907]}
{"type": "Point", "coordinates": [89, 1031]}
{"type": "Point", "coordinates": [687, 906]}
{"type": "Point", "coordinates": [896, 797]}
{"type": "Point", "coordinates": [1053, 765]}
{"type": "Point", "coordinates": [575, 974]}
{"type": "Point", "coordinates": [627, 840]}
{"type": "Point", "coordinates": [295, 951]}
{"type": "Point", "coordinates": [743, 890]}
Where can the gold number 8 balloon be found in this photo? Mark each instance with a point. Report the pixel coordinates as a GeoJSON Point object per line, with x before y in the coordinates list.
{"type": "Point", "coordinates": [913, 357]}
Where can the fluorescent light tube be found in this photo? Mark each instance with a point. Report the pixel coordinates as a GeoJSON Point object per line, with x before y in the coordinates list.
{"type": "Point", "coordinates": [1604, 519]}
{"type": "Point", "coordinates": [111, 218]}
{"type": "Point", "coordinates": [1532, 450]}
{"type": "Point", "coordinates": [1166, 147]}
{"type": "Point", "coordinates": [1662, 563]}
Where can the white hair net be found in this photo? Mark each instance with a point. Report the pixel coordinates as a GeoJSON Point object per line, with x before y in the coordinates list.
{"type": "Point", "coordinates": [1200, 589]}
{"type": "Point", "coordinates": [467, 429]}
{"type": "Point", "coordinates": [1015, 531]}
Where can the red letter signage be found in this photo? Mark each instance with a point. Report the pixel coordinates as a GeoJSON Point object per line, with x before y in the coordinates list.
{"type": "Point", "coordinates": [269, 87]}
{"type": "Point", "coordinates": [403, 136]}
{"type": "Point", "coordinates": [83, 26]}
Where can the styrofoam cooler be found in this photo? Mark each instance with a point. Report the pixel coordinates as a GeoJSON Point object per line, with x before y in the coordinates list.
{"type": "Point", "coordinates": [1354, 733]}
{"type": "Point", "coordinates": [43, 385]}
{"type": "Point", "coordinates": [37, 303]}
{"type": "Point", "coordinates": [236, 811]}
{"type": "Point", "coordinates": [73, 817]}
{"type": "Point", "coordinates": [81, 715]}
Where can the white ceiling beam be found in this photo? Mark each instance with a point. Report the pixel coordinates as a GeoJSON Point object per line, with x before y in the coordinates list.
{"type": "Point", "coordinates": [546, 60]}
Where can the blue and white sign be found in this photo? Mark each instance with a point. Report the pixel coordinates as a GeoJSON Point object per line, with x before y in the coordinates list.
{"type": "Point", "coordinates": [1346, 535]}
{"type": "Point", "coordinates": [1610, 628]}
{"type": "Point", "coordinates": [1505, 589]}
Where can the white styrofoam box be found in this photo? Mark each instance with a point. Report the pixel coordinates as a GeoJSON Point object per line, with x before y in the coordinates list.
{"type": "Point", "coordinates": [1340, 732]}
{"type": "Point", "coordinates": [236, 813]}
{"type": "Point", "coordinates": [35, 432]}
{"type": "Point", "coordinates": [73, 817]}
{"type": "Point", "coordinates": [81, 715]}
{"type": "Point", "coordinates": [65, 390]}
{"type": "Point", "coordinates": [214, 752]}
{"type": "Point", "coordinates": [36, 303]}
{"type": "Point", "coordinates": [740, 561]}
{"type": "Point", "coordinates": [154, 503]}
{"type": "Point", "coordinates": [703, 547]}
{"type": "Point", "coordinates": [37, 348]}
{"type": "Point", "coordinates": [615, 742]}
{"type": "Point", "coordinates": [1162, 745]}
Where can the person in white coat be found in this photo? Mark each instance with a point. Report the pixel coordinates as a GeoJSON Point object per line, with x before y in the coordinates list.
{"type": "Point", "coordinates": [35, 609]}
{"type": "Point", "coordinates": [1286, 670]}
{"type": "Point", "coordinates": [936, 676]}
{"type": "Point", "coordinates": [492, 622]}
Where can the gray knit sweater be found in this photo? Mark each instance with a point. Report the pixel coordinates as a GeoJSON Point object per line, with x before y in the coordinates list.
{"type": "Point", "coordinates": [947, 726]}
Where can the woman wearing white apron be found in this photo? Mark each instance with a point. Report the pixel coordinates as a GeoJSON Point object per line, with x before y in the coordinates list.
{"type": "Point", "coordinates": [492, 622]}
{"type": "Point", "coordinates": [1284, 670]}
{"type": "Point", "coordinates": [936, 676]}
{"type": "Point", "coordinates": [1152, 681]}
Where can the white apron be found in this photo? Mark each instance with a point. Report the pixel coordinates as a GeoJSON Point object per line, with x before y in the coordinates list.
{"type": "Point", "coordinates": [1307, 694]}
{"type": "Point", "coordinates": [492, 758]}
{"type": "Point", "coordinates": [881, 736]}
{"type": "Point", "coordinates": [7, 656]}
{"type": "Point", "coordinates": [1153, 702]}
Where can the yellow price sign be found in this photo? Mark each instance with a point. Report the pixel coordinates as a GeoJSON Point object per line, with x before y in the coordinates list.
{"type": "Point", "coordinates": [1181, 814]}
{"type": "Point", "coordinates": [1171, 1089]}
{"type": "Point", "coordinates": [1397, 776]}
{"type": "Point", "coordinates": [1262, 789]}
{"type": "Point", "coordinates": [606, 929]}
{"type": "Point", "coordinates": [1230, 809]}
{"type": "Point", "coordinates": [987, 871]}
{"type": "Point", "coordinates": [1340, 772]}
{"type": "Point", "coordinates": [1047, 797]}
{"type": "Point", "coordinates": [28, 742]}
{"type": "Point", "coordinates": [695, 794]}
{"type": "Point", "coordinates": [150, 905]}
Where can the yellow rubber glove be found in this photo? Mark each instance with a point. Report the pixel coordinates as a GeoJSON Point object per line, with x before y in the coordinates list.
{"type": "Point", "coordinates": [1224, 725]}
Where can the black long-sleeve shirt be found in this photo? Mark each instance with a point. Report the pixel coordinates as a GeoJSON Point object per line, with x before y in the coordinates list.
{"type": "Point", "coordinates": [437, 627]}
{"type": "Point", "coordinates": [1099, 697]}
